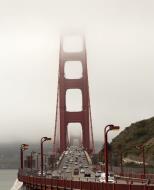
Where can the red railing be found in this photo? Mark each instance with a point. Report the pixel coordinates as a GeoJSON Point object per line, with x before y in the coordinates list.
{"type": "Point", "coordinates": [50, 183]}
{"type": "Point", "coordinates": [128, 172]}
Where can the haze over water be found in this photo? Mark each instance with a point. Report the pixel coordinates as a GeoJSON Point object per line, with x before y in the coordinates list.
{"type": "Point", "coordinates": [120, 43]}
{"type": "Point", "coordinates": [7, 178]}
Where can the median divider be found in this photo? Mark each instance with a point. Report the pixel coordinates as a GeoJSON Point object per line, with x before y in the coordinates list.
{"type": "Point", "coordinates": [88, 158]}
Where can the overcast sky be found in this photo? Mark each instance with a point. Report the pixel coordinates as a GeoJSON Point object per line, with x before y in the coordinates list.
{"type": "Point", "coordinates": [120, 52]}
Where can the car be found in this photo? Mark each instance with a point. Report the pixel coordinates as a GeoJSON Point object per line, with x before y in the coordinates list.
{"type": "Point", "coordinates": [86, 166]}
{"type": "Point", "coordinates": [98, 173]}
{"type": "Point", "coordinates": [68, 171]}
{"type": "Point", "coordinates": [55, 176]}
{"type": "Point", "coordinates": [87, 174]}
{"type": "Point", "coordinates": [111, 178]}
{"type": "Point", "coordinates": [76, 171]}
{"type": "Point", "coordinates": [102, 180]}
{"type": "Point", "coordinates": [64, 167]}
{"type": "Point", "coordinates": [81, 166]}
{"type": "Point", "coordinates": [49, 173]}
{"type": "Point", "coordinates": [82, 171]}
{"type": "Point", "coordinates": [39, 173]}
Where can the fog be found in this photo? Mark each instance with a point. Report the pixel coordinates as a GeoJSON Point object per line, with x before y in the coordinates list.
{"type": "Point", "coordinates": [120, 45]}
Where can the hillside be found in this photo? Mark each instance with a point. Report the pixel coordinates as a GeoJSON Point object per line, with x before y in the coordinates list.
{"type": "Point", "coordinates": [139, 133]}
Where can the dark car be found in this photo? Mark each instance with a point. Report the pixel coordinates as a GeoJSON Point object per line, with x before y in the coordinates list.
{"type": "Point", "coordinates": [87, 174]}
{"type": "Point", "coordinates": [76, 171]}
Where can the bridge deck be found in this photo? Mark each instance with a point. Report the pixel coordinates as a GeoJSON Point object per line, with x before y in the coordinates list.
{"type": "Point", "coordinates": [74, 171]}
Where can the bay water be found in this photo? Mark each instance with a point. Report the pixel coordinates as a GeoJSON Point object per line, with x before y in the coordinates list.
{"type": "Point", "coordinates": [7, 178]}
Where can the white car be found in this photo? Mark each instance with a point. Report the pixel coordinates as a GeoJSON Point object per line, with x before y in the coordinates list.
{"type": "Point", "coordinates": [98, 174]}
{"type": "Point", "coordinates": [82, 171]}
{"type": "Point", "coordinates": [41, 174]}
{"type": "Point", "coordinates": [64, 167]}
{"type": "Point", "coordinates": [56, 176]}
{"type": "Point", "coordinates": [68, 171]}
{"type": "Point", "coordinates": [86, 166]}
{"type": "Point", "coordinates": [110, 178]}
{"type": "Point", "coordinates": [102, 180]}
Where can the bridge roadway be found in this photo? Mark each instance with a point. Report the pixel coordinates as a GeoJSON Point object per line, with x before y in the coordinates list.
{"type": "Point", "coordinates": [75, 158]}
{"type": "Point", "coordinates": [74, 165]}
{"type": "Point", "coordinates": [74, 171]}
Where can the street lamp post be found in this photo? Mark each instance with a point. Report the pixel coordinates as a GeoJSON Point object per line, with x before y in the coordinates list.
{"type": "Point", "coordinates": [23, 147]}
{"type": "Point", "coordinates": [106, 130]}
{"type": "Point", "coordinates": [37, 159]}
{"type": "Point", "coordinates": [141, 147]}
{"type": "Point", "coordinates": [43, 139]}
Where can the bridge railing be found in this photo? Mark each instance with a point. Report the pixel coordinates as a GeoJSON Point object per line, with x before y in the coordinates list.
{"type": "Point", "coordinates": [133, 174]}
{"type": "Point", "coordinates": [34, 181]}
{"type": "Point", "coordinates": [128, 172]}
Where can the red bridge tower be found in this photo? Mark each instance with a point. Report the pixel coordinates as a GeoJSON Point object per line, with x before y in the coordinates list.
{"type": "Point", "coordinates": [64, 117]}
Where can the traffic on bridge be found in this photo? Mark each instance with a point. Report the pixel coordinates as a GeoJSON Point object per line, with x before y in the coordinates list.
{"type": "Point", "coordinates": [72, 167]}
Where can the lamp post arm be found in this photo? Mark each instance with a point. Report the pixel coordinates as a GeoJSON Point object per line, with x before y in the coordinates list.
{"type": "Point", "coordinates": [41, 157]}
{"type": "Point", "coordinates": [143, 161]}
{"type": "Point", "coordinates": [106, 158]}
{"type": "Point", "coordinates": [21, 158]}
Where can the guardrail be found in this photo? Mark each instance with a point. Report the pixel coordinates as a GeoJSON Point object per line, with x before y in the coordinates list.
{"type": "Point", "coordinates": [130, 173]}
{"type": "Point", "coordinates": [49, 183]}
{"type": "Point", "coordinates": [134, 180]}
{"type": "Point", "coordinates": [60, 159]}
{"type": "Point", "coordinates": [136, 175]}
{"type": "Point", "coordinates": [88, 158]}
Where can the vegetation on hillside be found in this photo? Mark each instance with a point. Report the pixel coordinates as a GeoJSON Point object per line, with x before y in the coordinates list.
{"type": "Point", "coordinates": [126, 143]}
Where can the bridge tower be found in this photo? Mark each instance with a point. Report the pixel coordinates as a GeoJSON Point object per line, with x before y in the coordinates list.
{"type": "Point", "coordinates": [64, 117]}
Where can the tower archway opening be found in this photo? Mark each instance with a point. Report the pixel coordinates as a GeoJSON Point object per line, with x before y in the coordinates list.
{"type": "Point", "coordinates": [72, 43]}
{"type": "Point", "coordinates": [73, 100]}
{"type": "Point", "coordinates": [74, 134]}
{"type": "Point", "coordinates": [73, 70]}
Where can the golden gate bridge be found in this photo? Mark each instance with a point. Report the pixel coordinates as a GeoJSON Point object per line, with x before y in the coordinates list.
{"type": "Point", "coordinates": [72, 166]}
